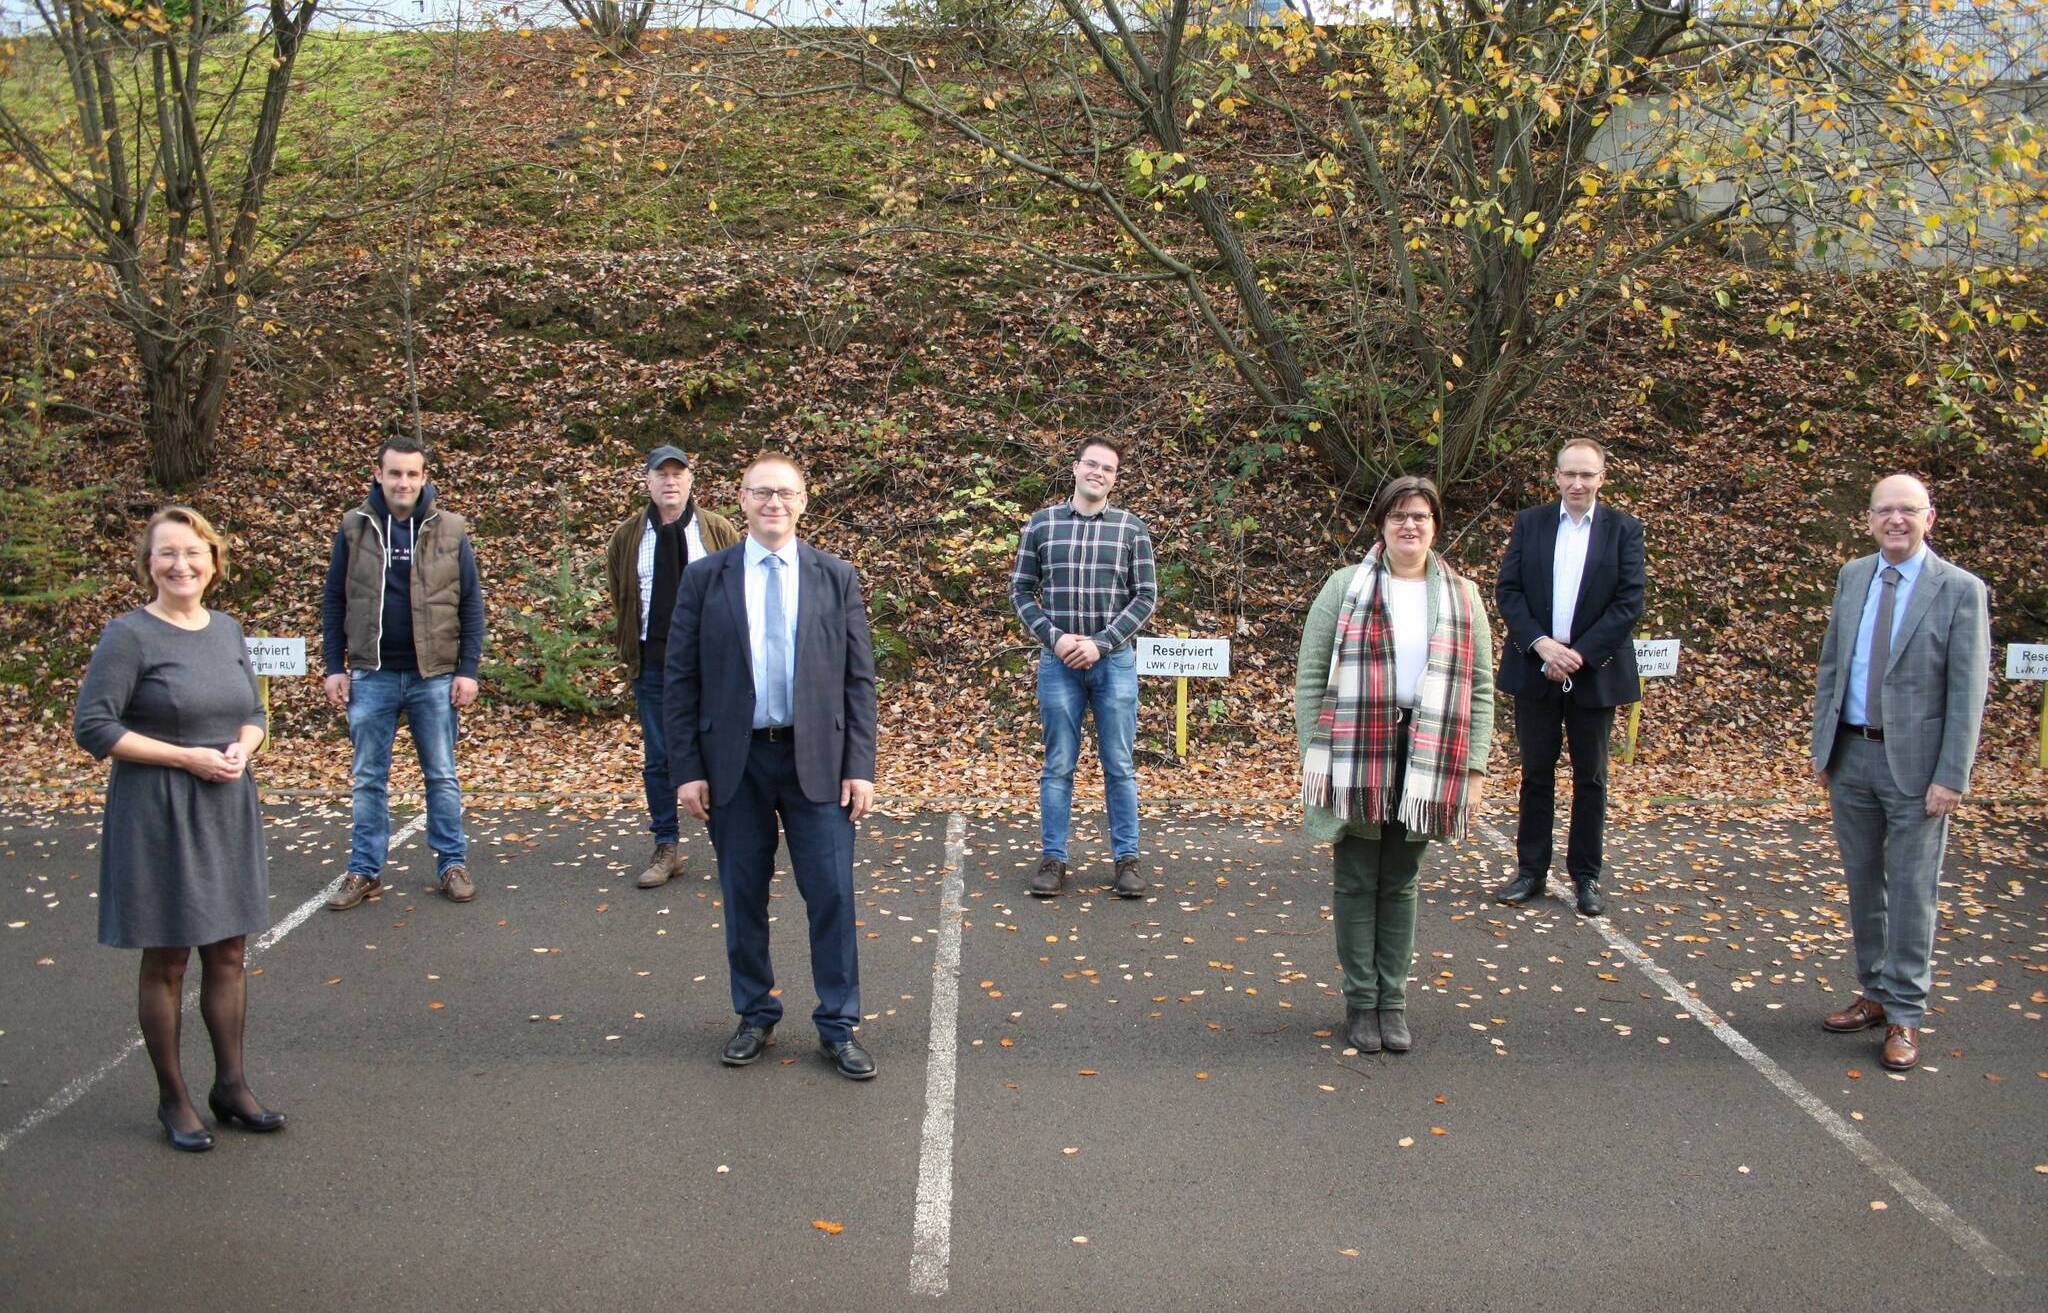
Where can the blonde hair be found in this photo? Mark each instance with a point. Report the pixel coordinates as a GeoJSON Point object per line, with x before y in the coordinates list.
{"type": "Point", "coordinates": [192, 520]}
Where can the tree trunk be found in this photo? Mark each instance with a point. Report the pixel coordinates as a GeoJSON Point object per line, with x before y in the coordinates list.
{"type": "Point", "coordinates": [182, 396]}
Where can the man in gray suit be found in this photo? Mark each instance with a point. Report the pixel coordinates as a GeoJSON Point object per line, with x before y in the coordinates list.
{"type": "Point", "coordinates": [1903, 671]}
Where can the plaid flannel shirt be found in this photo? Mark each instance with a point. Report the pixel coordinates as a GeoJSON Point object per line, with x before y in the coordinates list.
{"type": "Point", "coordinates": [1084, 574]}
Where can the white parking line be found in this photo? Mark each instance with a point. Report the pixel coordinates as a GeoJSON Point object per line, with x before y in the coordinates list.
{"type": "Point", "coordinates": [77, 1089]}
{"type": "Point", "coordinates": [1881, 1164]}
{"type": "Point", "coordinates": [931, 1244]}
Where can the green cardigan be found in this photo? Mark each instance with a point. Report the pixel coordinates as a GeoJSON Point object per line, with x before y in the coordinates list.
{"type": "Point", "coordinates": [1312, 673]}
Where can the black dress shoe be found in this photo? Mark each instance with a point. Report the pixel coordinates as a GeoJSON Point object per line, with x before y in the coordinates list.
{"type": "Point", "coordinates": [1362, 1029]}
{"type": "Point", "coordinates": [747, 1044]}
{"type": "Point", "coordinates": [1519, 890]}
{"type": "Point", "coordinates": [1589, 898]}
{"type": "Point", "coordinates": [262, 1121]}
{"type": "Point", "coordinates": [853, 1061]}
{"type": "Point", "coordinates": [198, 1141]}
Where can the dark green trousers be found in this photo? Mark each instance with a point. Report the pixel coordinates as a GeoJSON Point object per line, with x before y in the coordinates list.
{"type": "Point", "coordinates": [1374, 908]}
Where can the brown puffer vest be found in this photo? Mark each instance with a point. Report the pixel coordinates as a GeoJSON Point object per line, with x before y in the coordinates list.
{"type": "Point", "coordinates": [436, 587]}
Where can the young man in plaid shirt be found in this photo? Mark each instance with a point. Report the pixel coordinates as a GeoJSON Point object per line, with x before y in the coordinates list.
{"type": "Point", "coordinates": [1085, 581]}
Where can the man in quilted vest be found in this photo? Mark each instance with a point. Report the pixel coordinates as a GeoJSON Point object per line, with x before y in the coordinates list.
{"type": "Point", "coordinates": [403, 630]}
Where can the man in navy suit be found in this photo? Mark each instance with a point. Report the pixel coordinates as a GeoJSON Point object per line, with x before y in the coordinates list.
{"type": "Point", "coordinates": [1570, 590]}
{"type": "Point", "coordinates": [769, 706]}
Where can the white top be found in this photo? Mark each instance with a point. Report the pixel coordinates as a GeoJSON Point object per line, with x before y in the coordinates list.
{"type": "Point", "coordinates": [757, 615]}
{"type": "Point", "coordinates": [1568, 568]}
{"type": "Point", "coordinates": [1408, 612]}
{"type": "Point", "coordinates": [646, 565]}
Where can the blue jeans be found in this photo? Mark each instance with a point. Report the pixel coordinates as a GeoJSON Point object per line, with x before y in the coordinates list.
{"type": "Point", "coordinates": [1110, 686]}
{"type": "Point", "coordinates": [661, 795]}
{"type": "Point", "coordinates": [375, 698]}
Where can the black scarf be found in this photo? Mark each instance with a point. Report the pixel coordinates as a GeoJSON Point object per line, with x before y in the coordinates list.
{"type": "Point", "coordinates": [671, 554]}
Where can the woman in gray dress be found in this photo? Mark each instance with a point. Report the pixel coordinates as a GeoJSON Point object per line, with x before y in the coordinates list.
{"type": "Point", "coordinates": [170, 697]}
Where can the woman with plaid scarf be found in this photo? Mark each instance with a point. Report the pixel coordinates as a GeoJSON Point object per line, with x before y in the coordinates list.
{"type": "Point", "coordinates": [1393, 701]}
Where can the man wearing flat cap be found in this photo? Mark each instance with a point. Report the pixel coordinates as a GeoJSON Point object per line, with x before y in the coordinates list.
{"type": "Point", "coordinates": [642, 568]}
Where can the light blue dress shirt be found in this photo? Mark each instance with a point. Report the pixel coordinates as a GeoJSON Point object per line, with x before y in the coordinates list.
{"type": "Point", "coordinates": [757, 613]}
{"type": "Point", "coordinates": [1854, 710]}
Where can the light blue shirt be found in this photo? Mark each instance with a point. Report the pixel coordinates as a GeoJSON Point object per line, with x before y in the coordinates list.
{"type": "Point", "coordinates": [1853, 698]}
{"type": "Point", "coordinates": [757, 615]}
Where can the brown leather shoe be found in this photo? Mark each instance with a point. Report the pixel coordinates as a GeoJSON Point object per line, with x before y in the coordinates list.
{"type": "Point", "coordinates": [1860, 1015]}
{"type": "Point", "coordinates": [1901, 1048]}
{"type": "Point", "coordinates": [354, 889]}
{"type": "Point", "coordinates": [666, 863]}
{"type": "Point", "coordinates": [1051, 878]}
{"type": "Point", "coordinates": [455, 884]}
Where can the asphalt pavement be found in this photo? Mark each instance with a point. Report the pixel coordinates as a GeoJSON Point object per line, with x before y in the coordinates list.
{"type": "Point", "coordinates": [516, 1104]}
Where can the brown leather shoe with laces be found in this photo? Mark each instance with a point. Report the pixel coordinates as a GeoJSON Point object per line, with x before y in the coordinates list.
{"type": "Point", "coordinates": [1901, 1050]}
{"type": "Point", "coordinates": [354, 889]}
{"type": "Point", "coordinates": [666, 863]}
{"type": "Point", "coordinates": [1051, 878]}
{"type": "Point", "coordinates": [455, 884]}
{"type": "Point", "coordinates": [1860, 1015]}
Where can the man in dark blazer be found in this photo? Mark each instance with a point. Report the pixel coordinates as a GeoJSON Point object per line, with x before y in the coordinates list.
{"type": "Point", "coordinates": [1903, 673]}
{"type": "Point", "coordinates": [770, 711]}
{"type": "Point", "coordinates": [1571, 591]}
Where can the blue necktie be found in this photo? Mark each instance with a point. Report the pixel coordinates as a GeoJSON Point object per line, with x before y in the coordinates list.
{"type": "Point", "coordinates": [775, 626]}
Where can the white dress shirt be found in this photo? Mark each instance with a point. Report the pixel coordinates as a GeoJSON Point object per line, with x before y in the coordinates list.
{"type": "Point", "coordinates": [1568, 569]}
{"type": "Point", "coordinates": [757, 615]}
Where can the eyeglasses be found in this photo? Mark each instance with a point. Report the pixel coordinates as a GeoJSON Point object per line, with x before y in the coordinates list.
{"type": "Point", "coordinates": [787, 496]}
{"type": "Point", "coordinates": [1089, 464]}
{"type": "Point", "coordinates": [1887, 512]}
{"type": "Point", "coordinates": [173, 555]}
{"type": "Point", "coordinates": [1416, 518]}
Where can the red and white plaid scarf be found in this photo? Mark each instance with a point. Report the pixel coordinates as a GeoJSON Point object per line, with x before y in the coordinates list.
{"type": "Point", "coordinates": [1351, 759]}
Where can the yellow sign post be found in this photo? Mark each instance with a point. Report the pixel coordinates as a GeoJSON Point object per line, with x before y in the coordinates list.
{"type": "Point", "coordinates": [1656, 658]}
{"type": "Point", "coordinates": [2030, 661]}
{"type": "Point", "coordinates": [1183, 659]}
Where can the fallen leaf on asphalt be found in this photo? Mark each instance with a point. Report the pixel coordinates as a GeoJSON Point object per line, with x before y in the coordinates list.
{"type": "Point", "coordinates": [829, 1228]}
{"type": "Point", "coordinates": [1007, 1042]}
{"type": "Point", "coordinates": [1744, 1170]}
{"type": "Point", "coordinates": [1855, 1074]}
{"type": "Point", "coordinates": [1080, 1240]}
{"type": "Point", "coordinates": [436, 1006]}
{"type": "Point", "coordinates": [1878, 1205]}
{"type": "Point", "coordinates": [1070, 1150]}
{"type": "Point", "coordinates": [1442, 1098]}
{"type": "Point", "coordinates": [1406, 1142]}
{"type": "Point", "coordinates": [723, 1170]}
{"type": "Point", "coordinates": [1438, 1130]}
{"type": "Point", "coordinates": [1348, 1253]}
{"type": "Point", "coordinates": [335, 981]}
{"type": "Point", "coordinates": [1201, 1075]}
{"type": "Point", "coordinates": [1085, 1071]}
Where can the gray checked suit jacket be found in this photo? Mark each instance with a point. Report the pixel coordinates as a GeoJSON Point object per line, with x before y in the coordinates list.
{"type": "Point", "coordinates": [1934, 684]}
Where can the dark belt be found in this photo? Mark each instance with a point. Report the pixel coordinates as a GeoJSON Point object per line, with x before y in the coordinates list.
{"type": "Point", "coordinates": [1403, 715]}
{"type": "Point", "coordinates": [776, 734]}
{"type": "Point", "coordinates": [1871, 732]}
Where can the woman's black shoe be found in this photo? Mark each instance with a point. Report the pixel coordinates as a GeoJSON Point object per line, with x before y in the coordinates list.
{"type": "Point", "coordinates": [198, 1141]}
{"type": "Point", "coordinates": [262, 1120]}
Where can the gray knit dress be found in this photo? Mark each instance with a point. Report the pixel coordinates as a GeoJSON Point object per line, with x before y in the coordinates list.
{"type": "Point", "coordinates": [182, 860]}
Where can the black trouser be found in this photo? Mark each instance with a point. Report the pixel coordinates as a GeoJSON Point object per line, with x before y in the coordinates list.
{"type": "Point", "coordinates": [1544, 723]}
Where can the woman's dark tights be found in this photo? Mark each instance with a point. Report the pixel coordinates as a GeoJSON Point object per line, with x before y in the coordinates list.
{"type": "Point", "coordinates": [223, 1005]}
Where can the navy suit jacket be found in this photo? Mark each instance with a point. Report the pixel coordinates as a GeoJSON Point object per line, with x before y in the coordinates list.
{"type": "Point", "coordinates": [1603, 621]}
{"type": "Point", "coordinates": [708, 683]}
